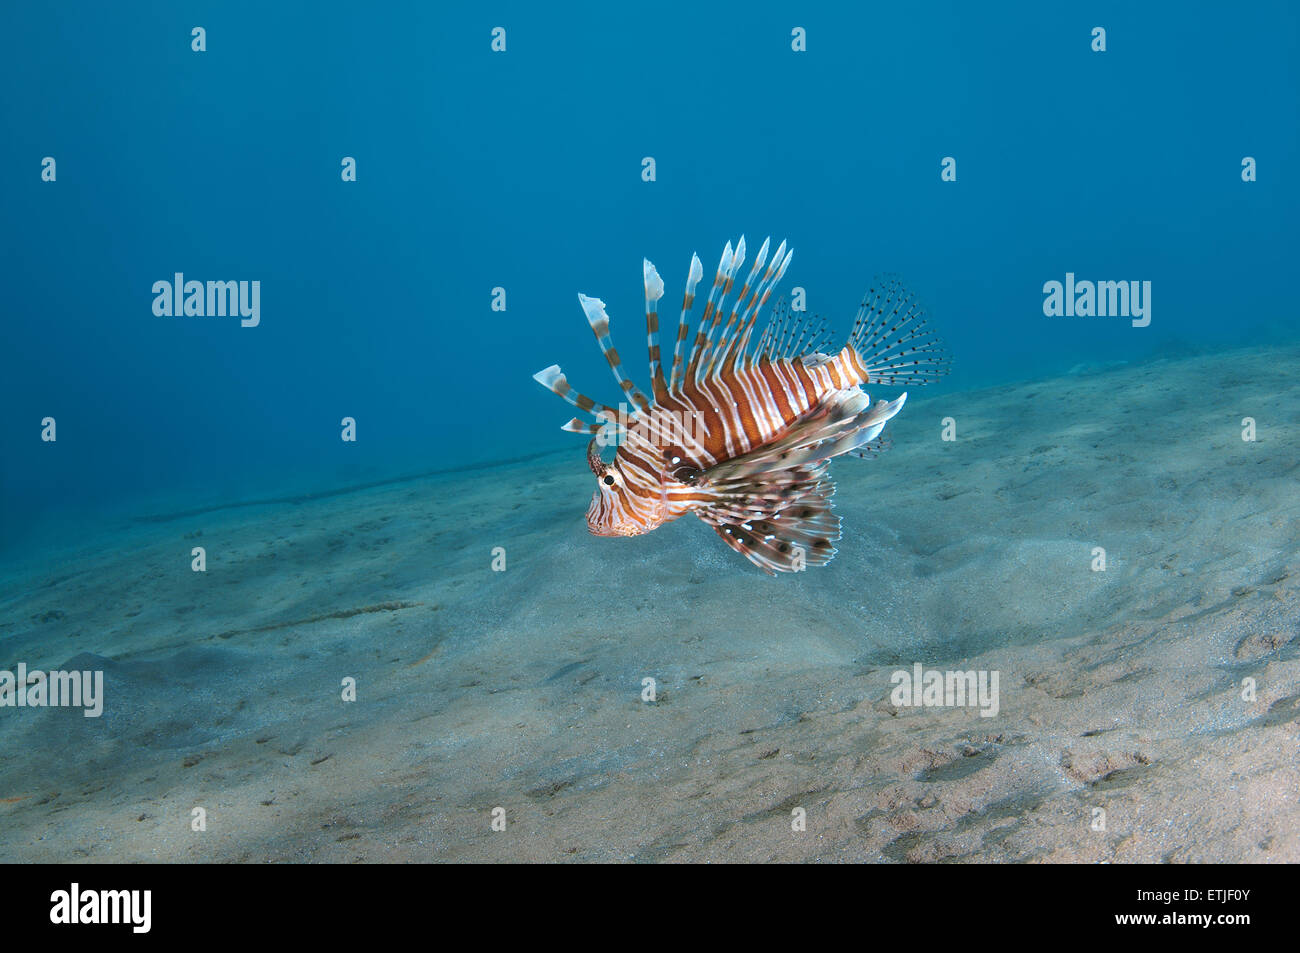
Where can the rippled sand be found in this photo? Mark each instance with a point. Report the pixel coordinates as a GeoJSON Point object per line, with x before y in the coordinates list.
{"type": "Point", "coordinates": [1119, 690]}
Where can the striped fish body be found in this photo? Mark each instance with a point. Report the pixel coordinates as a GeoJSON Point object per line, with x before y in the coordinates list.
{"type": "Point", "coordinates": [747, 407]}
{"type": "Point", "coordinates": [742, 433]}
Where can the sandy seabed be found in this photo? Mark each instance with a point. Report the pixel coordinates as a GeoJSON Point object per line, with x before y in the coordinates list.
{"type": "Point", "coordinates": [1121, 690]}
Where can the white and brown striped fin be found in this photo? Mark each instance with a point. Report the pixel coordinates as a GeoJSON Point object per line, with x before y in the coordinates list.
{"type": "Point", "coordinates": [722, 282]}
{"type": "Point", "coordinates": [775, 272]}
{"type": "Point", "coordinates": [614, 433]}
{"type": "Point", "coordinates": [744, 356]}
{"type": "Point", "coordinates": [701, 336]}
{"type": "Point", "coordinates": [683, 326]}
{"type": "Point", "coordinates": [654, 290]}
{"type": "Point", "coordinates": [740, 355]}
{"type": "Point", "coordinates": [731, 333]}
{"type": "Point", "coordinates": [893, 339]}
{"type": "Point", "coordinates": [731, 352]}
{"type": "Point", "coordinates": [594, 308]}
{"type": "Point", "coordinates": [553, 379]}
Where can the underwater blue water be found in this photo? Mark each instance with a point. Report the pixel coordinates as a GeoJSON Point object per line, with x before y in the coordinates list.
{"type": "Point", "coordinates": [522, 170]}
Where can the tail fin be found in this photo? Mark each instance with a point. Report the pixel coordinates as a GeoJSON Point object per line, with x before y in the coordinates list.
{"type": "Point", "coordinates": [893, 339]}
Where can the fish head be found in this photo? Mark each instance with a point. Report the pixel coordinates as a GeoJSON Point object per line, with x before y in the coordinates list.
{"type": "Point", "coordinates": [615, 510]}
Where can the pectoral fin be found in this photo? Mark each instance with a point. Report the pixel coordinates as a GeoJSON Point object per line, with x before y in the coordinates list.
{"type": "Point", "coordinates": [797, 532]}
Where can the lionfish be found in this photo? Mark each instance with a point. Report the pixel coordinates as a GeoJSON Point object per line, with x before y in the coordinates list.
{"type": "Point", "coordinates": [741, 432]}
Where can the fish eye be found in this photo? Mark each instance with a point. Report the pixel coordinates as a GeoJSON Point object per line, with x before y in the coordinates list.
{"type": "Point", "coordinates": [609, 480]}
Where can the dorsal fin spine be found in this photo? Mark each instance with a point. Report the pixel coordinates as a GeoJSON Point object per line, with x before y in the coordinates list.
{"type": "Point", "coordinates": [731, 333]}
{"type": "Point", "coordinates": [683, 326]}
{"type": "Point", "coordinates": [654, 290]}
{"type": "Point", "coordinates": [594, 308]}
{"type": "Point", "coordinates": [702, 334]}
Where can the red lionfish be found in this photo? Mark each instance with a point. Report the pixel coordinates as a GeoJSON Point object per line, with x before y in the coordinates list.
{"type": "Point", "coordinates": [767, 418]}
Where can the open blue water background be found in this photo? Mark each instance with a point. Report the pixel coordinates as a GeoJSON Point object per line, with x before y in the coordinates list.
{"type": "Point", "coordinates": [522, 170]}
